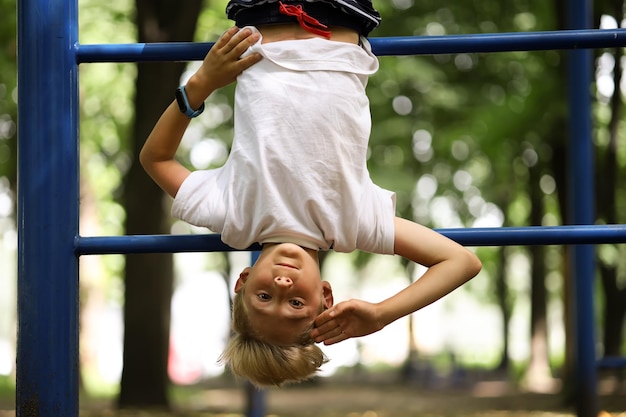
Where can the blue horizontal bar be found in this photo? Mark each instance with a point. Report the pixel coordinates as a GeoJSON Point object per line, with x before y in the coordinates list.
{"type": "Point", "coordinates": [107, 245]}
{"type": "Point", "coordinates": [388, 46]}
{"type": "Point", "coordinates": [143, 52]}
{"type": "Point", "coordinates": [538, 235]}
{"type": "Point", "coordinates": [612, 362]}
{"type": "Point", "coordinates": [499, 42]}
{"type": "Point", "coordinates": [503, 236]}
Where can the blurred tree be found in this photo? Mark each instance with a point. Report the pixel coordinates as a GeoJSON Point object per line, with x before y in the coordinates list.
{"type": "Point", "coordinates": [149, 277]}
{"type": "Point", "coordinates": [8, 177]}
{"type": "Point", "coordinates": [502, 119]}
{"type": "Point", "coordinates": [106, 113]}
{"type": "Point", "coordinates": [107, 117]}
{"type": "Point", "coordinates": [8, 95]}
{"type": "Point", "coordinates": [610, 169]}
{"type": "Point", "coordinates": [464, 126]}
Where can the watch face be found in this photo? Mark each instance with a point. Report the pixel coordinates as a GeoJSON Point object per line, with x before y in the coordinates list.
{"type": "Point", "coordinates": [181, 101]}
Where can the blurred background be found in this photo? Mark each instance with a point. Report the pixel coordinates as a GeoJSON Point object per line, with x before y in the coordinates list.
{"type": "Point", "coordinates": [466, 140]}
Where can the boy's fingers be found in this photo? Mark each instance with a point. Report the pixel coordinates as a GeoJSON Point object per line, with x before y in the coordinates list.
{"type": "Point", "coordinates": [229, 40]}
{"type": "Point", "coordinates": [250, 60]}
{"type": "Point", "coordinates": [241, 40]}
{"type": "Point", "coordinates": [323, 329]}
{"type": "Point", "coordinates": [245, 43]}
{"type": "Point", "coordinates": [326, 336]}
{"type": "Point", "coordinates": [321, 321]}
{"type": "Point", "coordinates": [341, 336]}
{"type": "Point", "coordinates": [226, 36]}
{"type": "Point", "coordinates": [321, 318]}
{"type": "Point", "coordinates": [329, 331]}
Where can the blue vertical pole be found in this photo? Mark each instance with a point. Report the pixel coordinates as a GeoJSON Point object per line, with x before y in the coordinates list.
{"type": "Point", "coordinates": [47, 345]}
{"type": "Point", "coordinates": [255, 397]}
{"type": "Point", "coordinates": [581, 206]}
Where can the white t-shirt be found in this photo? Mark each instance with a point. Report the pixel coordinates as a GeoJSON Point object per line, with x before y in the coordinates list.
{"type": "Point", "coordinates": [297, 168]}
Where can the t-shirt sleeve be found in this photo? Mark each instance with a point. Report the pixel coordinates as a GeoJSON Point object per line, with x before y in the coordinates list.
{"type": "Point", "coordinates": [376, 231]}
{"type": "Point", "coordinates": [201, 200]}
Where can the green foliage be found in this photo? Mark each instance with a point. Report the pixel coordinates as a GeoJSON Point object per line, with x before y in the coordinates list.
{"type": "Point", "coordinates": [7, 388]}
{"type": "Point", "coordinates": [8, 91]}
{"type": "Point", "coordinates": [106, 113]}
{"type": "Point", "coordinates": [478, 109]}
{"type": "Point", "coordinates": [212, 21]}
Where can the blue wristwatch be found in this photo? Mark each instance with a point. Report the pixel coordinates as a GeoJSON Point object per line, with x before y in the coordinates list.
{"type": "Point", "coordinates": [183, 103]}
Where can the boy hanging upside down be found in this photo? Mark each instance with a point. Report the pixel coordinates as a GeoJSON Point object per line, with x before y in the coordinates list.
{"type": "Point", "coordinates": [296, 182]}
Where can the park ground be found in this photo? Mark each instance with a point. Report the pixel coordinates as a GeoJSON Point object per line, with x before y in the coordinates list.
{"type": "Point", "coordinates": [362, 398]}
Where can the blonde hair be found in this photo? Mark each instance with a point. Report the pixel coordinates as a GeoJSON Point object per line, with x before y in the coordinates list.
{"type": "Point", "coordinates": [263, 363]}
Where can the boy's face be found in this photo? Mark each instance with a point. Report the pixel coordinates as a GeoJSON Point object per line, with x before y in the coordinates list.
{"type": "Point", "coordinates": [283, 292]}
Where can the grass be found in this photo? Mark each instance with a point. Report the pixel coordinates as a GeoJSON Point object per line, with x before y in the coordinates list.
{"type": "Point", "coordinates": [7, 390]}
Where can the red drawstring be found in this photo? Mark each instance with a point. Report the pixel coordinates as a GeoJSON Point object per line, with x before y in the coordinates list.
{"type": "Point", "coordinates": [307, 22]}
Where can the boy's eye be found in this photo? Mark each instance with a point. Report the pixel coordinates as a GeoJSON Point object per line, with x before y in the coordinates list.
{"type": "Point", "coordinates": [296, 303]}
{"type": "Point", "coordinates": [264, 296]}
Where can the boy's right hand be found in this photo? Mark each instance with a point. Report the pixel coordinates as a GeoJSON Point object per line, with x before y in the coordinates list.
{"type": "Point", "coordinates": [222, 64]}
{"type": "Point", "coordinates": [351, 318]}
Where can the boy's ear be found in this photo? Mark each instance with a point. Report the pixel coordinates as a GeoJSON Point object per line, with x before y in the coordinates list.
{"type": "Point", "coordinates": [327, 293]}
{"type": "Point", "coordinates": [243, 277]}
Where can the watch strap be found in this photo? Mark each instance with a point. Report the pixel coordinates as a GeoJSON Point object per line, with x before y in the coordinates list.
{"type": "Point", "coordinates": [183, 104]}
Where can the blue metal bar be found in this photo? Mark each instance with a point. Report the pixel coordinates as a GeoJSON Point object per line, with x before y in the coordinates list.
{"type": "Point", "coordinates": [391, 46]}
{"type": "Point", "coordinates": [581, 207]}
{"type": "Point", "coordinates": [255, 406]}
{"type": "Point", "coordinates": [612, 362]}
{"type": "Point", "coordinates": [500, 42]}
{"type": "Point", "coordinates": [107, 245]}
{"type": "Point", "coordinates": [502, 236]}
{"type": "Point", "coordinates": [47, 343]}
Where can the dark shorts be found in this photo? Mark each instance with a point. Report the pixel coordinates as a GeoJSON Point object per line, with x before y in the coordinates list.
{"type": "Point", "coordinates": [359, 15]}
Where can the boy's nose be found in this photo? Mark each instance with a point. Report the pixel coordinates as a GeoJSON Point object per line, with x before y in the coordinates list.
{"type": "Point", "coordinates": [284, 282]}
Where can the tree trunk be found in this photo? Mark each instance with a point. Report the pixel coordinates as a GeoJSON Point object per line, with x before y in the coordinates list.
{"type": "Point", "coordinates": [559, 169]}
{"type": "Point", "coordinates": [538, 375]}
{"type": "Point", "coordinates": [607, 175]}
{"type": "Point", "coordinates": [149, 277]}
{"type": "Point", "coordinates": [614, 312]}
{"type": "Point", "coordinates": [504, 303]}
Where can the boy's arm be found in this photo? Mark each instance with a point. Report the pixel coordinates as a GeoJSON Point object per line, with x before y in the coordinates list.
{"type": "Point", "coordinates": [157, 154]}
{"type": "Point", "coordinates": [449, 266]}
{"type": "Point", "coordinates": [220, 67]}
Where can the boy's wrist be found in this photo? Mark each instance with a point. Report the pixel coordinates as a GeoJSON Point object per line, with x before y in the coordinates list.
{"type": "Point", "coordinates": [196, 92]}
{"type": "Point", "coordinates": [386, 313]}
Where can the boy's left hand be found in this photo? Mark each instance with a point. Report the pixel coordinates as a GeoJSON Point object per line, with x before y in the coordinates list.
{"type": "Point", "coordinates": [352, 318]}
{"type": "Point", "coordinates": [223, 63]}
